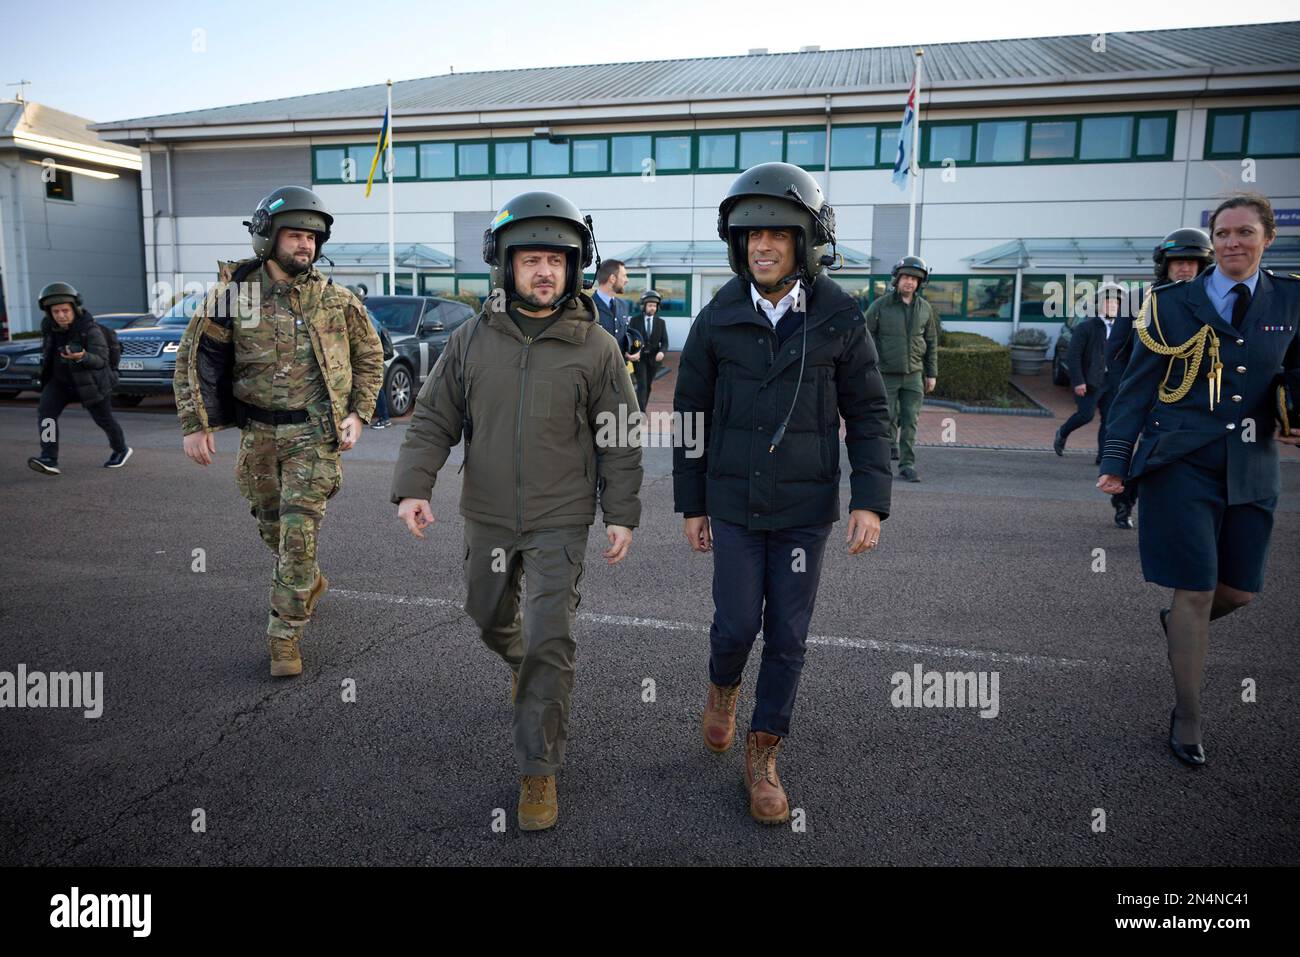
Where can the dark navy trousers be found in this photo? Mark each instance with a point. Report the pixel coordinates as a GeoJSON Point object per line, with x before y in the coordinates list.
{"type": "Point", "coordinates": [764, 580]}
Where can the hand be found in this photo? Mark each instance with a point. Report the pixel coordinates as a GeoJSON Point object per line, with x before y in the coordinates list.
{"type": "Point", "coordinates": [635, 355]}
{"type": "Point", "coordinates": [349, 432]}
{"type": "Point", "coordinates": [1080, 390]}
{"type": "Point", "coordinates": [930, 383]}
{"type": "Point", "coordinates": [1292, 439]}
{"type": "Point", "coordinates": [699, 534]}
{"type": "Point", "coordinates": [1110, 484]}
{"type": "Point", "coordinates": [659, 357]}
{"type": "Point", "coordinates": [200, 447]}
{"type": "Point", "coordinates": [620, 540]}
{"type": "Point", "coordinates": [864, 531]}
{"type": "Point", "coordinates": [74, 356]}
{"type": "Point", "coordinates": [417, 514]}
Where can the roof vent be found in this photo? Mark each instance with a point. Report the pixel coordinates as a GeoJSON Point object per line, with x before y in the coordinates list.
{"type": "Point", "coordinates": [813, 48]}
{"type": "Point", "coordinates": [757, 51]}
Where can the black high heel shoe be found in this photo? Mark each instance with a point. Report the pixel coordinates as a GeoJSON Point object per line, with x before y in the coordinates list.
{"type": "Point", "coordinates": [1192, 754]}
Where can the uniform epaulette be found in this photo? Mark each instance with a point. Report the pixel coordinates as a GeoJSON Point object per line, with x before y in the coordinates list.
{"type": "Point", "coordinates": [1169, 285]}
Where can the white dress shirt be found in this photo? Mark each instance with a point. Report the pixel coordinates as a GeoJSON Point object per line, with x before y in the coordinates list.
{"type": "Point", "coordinates": [774, 313]}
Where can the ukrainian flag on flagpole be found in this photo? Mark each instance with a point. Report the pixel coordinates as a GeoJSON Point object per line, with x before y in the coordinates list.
{"type": "Point", "coordinates": [382, 145]}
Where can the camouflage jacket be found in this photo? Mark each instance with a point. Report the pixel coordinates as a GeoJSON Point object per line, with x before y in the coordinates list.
{"type": "Point", "coordinates": [347, 349]}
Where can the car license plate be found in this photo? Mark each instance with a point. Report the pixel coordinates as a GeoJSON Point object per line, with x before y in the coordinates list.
{"type": "Point", "coordinates": [132, 365]}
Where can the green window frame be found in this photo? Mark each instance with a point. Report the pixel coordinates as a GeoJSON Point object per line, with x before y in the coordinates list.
{"type": "Point", "coordinates": [1247, 118]}
{"type": "Point", "coordinates": [513, 150]}
{"type": "Point", "coordinates": [672, 144]}
{"type": "Point", "coordinates": [542, 145]}
{"type": "Point", "coordinates": [630, 148]}
{"type": "Point", "coordinates": [855, 140]}
{"type": "Point", "coordinates": [996, 137]}
{"type": "Point", "coordinates": [811, 141]}
{"type": "Point", "coordinates": [658, 279]}
{"type": "Point", "coordinates": [590, 147]}
{"type": "Point", "coordinates": [732, 145]}
{"type": "Point", "coordinates": [461, 147]}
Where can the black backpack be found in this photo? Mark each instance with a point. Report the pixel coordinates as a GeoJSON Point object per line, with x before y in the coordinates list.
{"type": "Point", "coordinates": [114, 347]}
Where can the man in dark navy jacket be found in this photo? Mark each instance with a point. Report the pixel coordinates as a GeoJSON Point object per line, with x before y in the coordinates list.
{"type": "Point", "coordinates": [770, 366]}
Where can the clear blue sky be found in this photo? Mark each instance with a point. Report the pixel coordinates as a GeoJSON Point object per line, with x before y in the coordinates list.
{"type": "Point", "coordinates": [129, 58]}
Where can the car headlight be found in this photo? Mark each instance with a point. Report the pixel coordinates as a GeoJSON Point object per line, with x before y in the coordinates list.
{"type": "Point", "coordinates": [171, 347]}
{"type": "Point", "coordinates": [32, 360]}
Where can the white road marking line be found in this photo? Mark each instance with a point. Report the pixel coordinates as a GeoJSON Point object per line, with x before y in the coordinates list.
{"type": "Point", "coordinates": [831, 641]}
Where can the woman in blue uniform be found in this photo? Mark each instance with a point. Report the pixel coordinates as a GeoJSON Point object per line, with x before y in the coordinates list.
{"type": "Point", "coordinates": [1201, 389]}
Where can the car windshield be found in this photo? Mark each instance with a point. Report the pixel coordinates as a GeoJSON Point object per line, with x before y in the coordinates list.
{"type": "Point", "coordinates": [180, 314]}
{"type": "Point", "coordinates": [398, 316]}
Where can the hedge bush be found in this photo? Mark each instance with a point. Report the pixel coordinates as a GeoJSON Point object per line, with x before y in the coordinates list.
{"type": "Point", "coordinates": [971, 367]}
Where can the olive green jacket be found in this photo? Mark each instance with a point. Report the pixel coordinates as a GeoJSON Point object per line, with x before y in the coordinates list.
{"type": "Point", "coordinates": [346, 345]}
{"type": "Point", "coordinates": [907, 339]}
{"type": "Point", "coordinates": [542, 435]}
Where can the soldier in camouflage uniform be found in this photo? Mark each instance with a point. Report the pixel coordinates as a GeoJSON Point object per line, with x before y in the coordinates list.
{"type": "Point", "coordinates": [293, 360]}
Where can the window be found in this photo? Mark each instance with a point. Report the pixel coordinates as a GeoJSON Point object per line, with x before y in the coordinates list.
{"type": "Point", "coordinates": [806, 148]}
{"type": "Point", "coordinates": [990, 297]}
{"type": "Point", "coordinates": [853, 147]}
{"type": "Point", "coordinates": [629, 153]}
{"type": "Point", "coordinates": [945, 295]}
{"type": "Point", "coordinates": [550, 159]}
{"type": "Point", "coordinates": [859, 287]}
{"type": "Point", "coordinates": [436, 286]}
{"type": "Point", "coordinates": [472, 159]}
{"type": "Point", "coordinates": [888, 146]}
{"type": "Point", "coordinates": [950, 142]}
{"type": "Point", "coordinates": [60, 187]}
{"type": "Point", "coordinates": [1000, 141]}
{"type": "Point", "coordinates": [1042, 298]}
{"type": "Point", "coordinates": [717, 150]}
{"type": "Point", "coordinates": [760, 146]}
{"type": "Point", "coordinates": [510, 158]}
{"type": "Point", "coordinates": [362, 157]}
{"type": "Point", "coordinates": [1051, 139]}
{"type": "Point", "coordinates": [1153, 136]}
{"type": "Point", "coordinates": [1274, 133]}
{"type": "Point", "coordinates": [672, 153]}
{"type": "Point", "coordinates": [329, 164]}
{"type": "Point", "coordinates": [437, 161]}
{"type": "Point", "coordinates": [1107, 138]}
{"type": "Point", "coordinates": [676, 291]}
{"type": "Point", "coordinates": [475, 285]}
{"type": "Point", "coordinates": [1227, 133]}
{"type": "Point", "coordinates": [591, 156]}
{"type": "Point", "coordinates": [404, 162]}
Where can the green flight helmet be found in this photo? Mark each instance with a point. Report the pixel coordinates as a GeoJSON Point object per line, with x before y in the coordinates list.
{"type": "Point", "coordinates": [289, 207]}
{"type": "Point", "coordinates": [539, 220]}
{"type": "Point", "coordinates": [57, 292]}
{"type": "Point", "coordinates": [772, 195]}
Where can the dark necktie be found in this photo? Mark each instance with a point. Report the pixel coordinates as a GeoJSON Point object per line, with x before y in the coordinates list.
{"type": "Point", "coordinates": [1241, 304]}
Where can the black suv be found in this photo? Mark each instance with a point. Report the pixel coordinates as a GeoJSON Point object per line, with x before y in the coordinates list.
{"type": "Point", "coordinates": [419, 327]}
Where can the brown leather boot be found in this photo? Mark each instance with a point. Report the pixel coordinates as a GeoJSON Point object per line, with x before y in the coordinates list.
{"type": "Point", "coordinates": [286, 660]}
{"type": "Point", "coordinates": [317, 590]}
{"type": "Point", "coordinates": [719, 719]}
{"type": "Point", "coordinates": [767, 801]}
{"type": "Point", "coordinates": [539, 806]}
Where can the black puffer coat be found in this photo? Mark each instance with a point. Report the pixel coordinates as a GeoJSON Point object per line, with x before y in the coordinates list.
{"type": "Point", "coordinates": [93, 377]}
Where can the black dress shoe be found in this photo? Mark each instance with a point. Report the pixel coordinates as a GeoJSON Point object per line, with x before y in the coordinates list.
{"type": "Point", "coordinates": [1121, 518]}
{"type": "Point", "coordinates": [1058, 443]}
{"type": "Point", "coordinates": [1192, 754]}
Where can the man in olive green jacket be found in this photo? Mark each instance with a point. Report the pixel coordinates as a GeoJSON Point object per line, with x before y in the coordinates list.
{"type": "Point", "coordinates": [905, 328]}
{"type": "Point", "coordinates": [542, 397]}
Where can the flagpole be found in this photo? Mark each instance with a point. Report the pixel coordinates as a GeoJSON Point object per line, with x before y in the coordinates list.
{"type": "Point", "coordinates": [916, 166]}
{"type": "Point", "coordinates": [388, 161]}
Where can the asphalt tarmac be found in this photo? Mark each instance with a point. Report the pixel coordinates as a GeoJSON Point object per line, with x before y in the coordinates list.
{"type": "Point", "coordinates": [990, 565]}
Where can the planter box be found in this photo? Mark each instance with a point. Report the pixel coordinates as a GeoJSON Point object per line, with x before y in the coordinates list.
{"type": "Point", "coordinates": [1027, 360]}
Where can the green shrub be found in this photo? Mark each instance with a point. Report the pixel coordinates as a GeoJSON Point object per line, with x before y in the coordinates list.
{"type": "Point", "coordinates": [972, 372]}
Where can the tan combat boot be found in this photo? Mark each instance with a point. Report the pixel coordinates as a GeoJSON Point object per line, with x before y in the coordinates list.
{"type": "Point", "coordinates": [719, 719]}
{"type": "Point", "coordinates": [539, 806]}
{"type": "Point", "coordinates": [286, 660]}
{"type": "Point", "coordinates": [317, 591]}
{"type": "Point", "coordinates": [767, 801]}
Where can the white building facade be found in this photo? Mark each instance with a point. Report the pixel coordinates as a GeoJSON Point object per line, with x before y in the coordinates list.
{"type": "Point", "coordinates": [1042, 162]}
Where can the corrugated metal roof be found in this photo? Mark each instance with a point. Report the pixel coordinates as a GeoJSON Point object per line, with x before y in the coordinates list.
{"type": "Point", "coordinates": [43, 120]}
{"type": "Point", "coordinates": [976, 63]}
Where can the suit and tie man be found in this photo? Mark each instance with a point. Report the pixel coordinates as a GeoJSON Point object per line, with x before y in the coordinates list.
{"type": "Point", "coordinates": [613, 312]}
{"type": "Point", "coordinates": [649, 325]}
{"type": "Point", "coordinates": [1090, 348]}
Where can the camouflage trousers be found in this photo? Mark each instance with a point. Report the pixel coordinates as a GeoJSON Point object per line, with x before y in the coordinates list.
{"type": "Point", "coordinates": [287, 473]}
